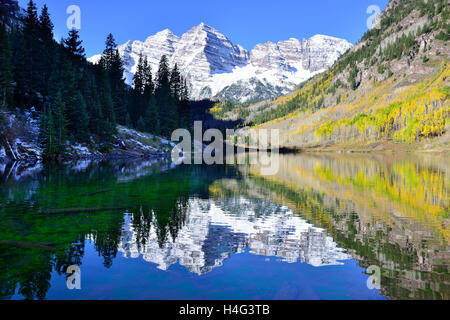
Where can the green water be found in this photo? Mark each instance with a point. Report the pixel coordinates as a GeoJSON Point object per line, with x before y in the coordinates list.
{"type": "Point", "coordinates": [144, 230]}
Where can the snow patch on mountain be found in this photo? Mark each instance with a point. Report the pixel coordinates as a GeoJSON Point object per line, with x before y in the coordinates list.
{"type": "Point", "coordinates": [212, 64]}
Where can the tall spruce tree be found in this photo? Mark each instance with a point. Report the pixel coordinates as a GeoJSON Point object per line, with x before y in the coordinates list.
{"type": "Point", "coordinates": [138, 79]}
{"type": "Point", "coordinates": [136, 102]}
{"type": "Point", "coordinates": [165, 102]}
{"type": "Point", "coordinates": [151, 118]}
{"type": "Point", "coordinates": [109, 118]}
{"type": "Point", "coordinates": [47, 134]}
{"type": "Point", "coordinates": [60, 124]}
{"type": "Point", "coordinates": [183, 105]}
{"type": "Point", "coordinates": [6, 76]}
{"type": "Point", "coordinates": [175, 83]}
{"type": "Point", "coordinates": [47, 52]}
{"type": "Point", "coordinates": [111, 62]}
{"type": "Point", "coordinates": [147, 80]}
{"type": "Point", "coordinates": [73, 44]}
{"type": "Point", "coordinates": [31, 56]}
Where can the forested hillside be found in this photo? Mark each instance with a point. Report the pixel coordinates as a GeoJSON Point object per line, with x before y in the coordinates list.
{"type": "Point", "coordinates": [391, 86]}
{"type": "Point", "coordinates": [73, 100]}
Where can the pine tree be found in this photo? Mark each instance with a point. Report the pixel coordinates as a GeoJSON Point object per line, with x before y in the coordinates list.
{"type": "Point", "coordinates": [175, 83]}
{"type": "Point", "coordinates": [137, 105]}
{"type": "Point", "coordinates": [151, 118]}
{"type": "Point", "coordinates": [60, 124]}
{"type": "Point", "coordinates": [73, 44]}
{"type": "Point", "coordinates": [163, 74]}
{"type": "Point", "coordinates": [109, 119]}
{"type": "Point", "coordinates": [80, 119]}
{"type": "Point", "coordinates": [138, 79]}
{"type": "Point", "coordinates": [45, 25]}
{"type": "Point", "coordinates": [19, 69]}
{"type": "Point", "coordinates": [111, 62]}
{"type": "Point", "coordinates": [31, 47]}
{"type": "Point", "coordinates": [147, 80]}
{"type": "Point", "coordinates": [47, 135]}
{"type": "Point", "coordinates": [95, 112]}
{"type": "Point", "coordinates": [183, 106]}
{"type": "Point", "coordinates": [47, 51]}
{"type": "Point", "coordinates": [107, 55]}
{"type": "Point", "coordinates": [166, 105]}
{"type": "Point", "coordinates": [6, 76]}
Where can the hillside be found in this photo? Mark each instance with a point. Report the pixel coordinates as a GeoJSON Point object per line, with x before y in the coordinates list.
{"type": "Point", "coordinates": [19, 141]}
{"type": "Point", "coordinates": [391, 88]}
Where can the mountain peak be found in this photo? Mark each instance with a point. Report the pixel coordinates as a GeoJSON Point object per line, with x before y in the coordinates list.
{"type": "Point", "coordinates": [210, 61]}
{"type": "Point", "coordinates": [206, 29]}
{"type": "Point", "coordinates": [165, 32]}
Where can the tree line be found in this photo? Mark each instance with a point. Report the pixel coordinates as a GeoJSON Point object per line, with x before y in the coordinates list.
{"type": "Point", "coordinates": [77, 101]}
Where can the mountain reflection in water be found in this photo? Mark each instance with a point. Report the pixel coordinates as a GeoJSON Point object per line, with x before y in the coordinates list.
{"type": "Point", "coordinates": [228, 232]}
{"type": "Point", "coordinates": [215, 229]}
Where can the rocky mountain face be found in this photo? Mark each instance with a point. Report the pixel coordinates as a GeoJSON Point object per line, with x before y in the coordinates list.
{"type": "Point", "coordinates": [215, 67]}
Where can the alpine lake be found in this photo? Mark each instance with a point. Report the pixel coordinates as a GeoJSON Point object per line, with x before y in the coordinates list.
{"type": "Point", "coordinates": [325, 226]}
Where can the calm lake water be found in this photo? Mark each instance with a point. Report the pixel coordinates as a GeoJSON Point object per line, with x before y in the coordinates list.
{"type": "Point", "coordinates": [148, 230]}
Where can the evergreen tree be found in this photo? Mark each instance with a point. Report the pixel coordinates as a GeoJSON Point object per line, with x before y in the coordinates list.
{"type": "Point", "coordinates": [137, 105]}
{"type": "Point", "coordinates": [47, 51]}
{"type": "Point", "coordinates": [107, 55]}
{"type": "Point", "coordinates": [73, 44]}
{"type": "Point", "coordinates": [183, 105]}
{"type": "Point", "coordinates": [95, 112]}
{"type": "Point", "coordinates": [31, 50]}
{"type": "Point", "coordinates": [6, 76]}
{"type": "Point", "coordinates": [147, 80]}
{"type": "Point", "coordinates": [47, 135]}
{"type": "Point", "coordinates": [109, 119]}
{"type": "Point", "coordinates": [111, 62]}
{"type": "Point", "coordinates": [151, 118]}
{"type": "Point", "coordinates": [19, 69]}
{"type": "Point", "coordinates": [60, 124]}
{"type": "Point", "coordinates": [175, 83]}
{"type": "Point", "coordinates": [79, 126]}
{"type": "Point", "coordinates": [138, 79]}
{"type": "Point", "coordinates": [45, 25]}
{"type": "Point", "coordinates": [166, 105]}
{"type": "Point", "coordinates": [163, 74]}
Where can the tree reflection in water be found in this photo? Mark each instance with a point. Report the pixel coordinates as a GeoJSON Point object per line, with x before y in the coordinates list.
{"type": "Point", "coordinates": [319, 209]}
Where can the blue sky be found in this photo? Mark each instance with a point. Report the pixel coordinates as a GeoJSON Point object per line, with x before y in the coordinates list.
{"type": "Point", "coordinates": [244, 22]}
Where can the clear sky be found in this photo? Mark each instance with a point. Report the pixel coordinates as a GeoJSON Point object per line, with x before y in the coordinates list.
{"type": "Point", "coordinates": [244, 22]}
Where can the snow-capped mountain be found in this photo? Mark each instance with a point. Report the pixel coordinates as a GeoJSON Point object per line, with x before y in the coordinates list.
{"type": "Point", "coordinates": [215, 67]}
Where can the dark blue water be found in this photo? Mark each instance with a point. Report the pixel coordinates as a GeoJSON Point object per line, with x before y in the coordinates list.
{"type": "Point", "coordinates": [242, 276]}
